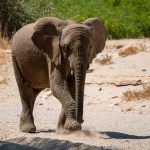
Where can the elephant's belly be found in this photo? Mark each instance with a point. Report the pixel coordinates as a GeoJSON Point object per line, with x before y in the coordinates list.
{"type": "Point", "coordinates": [38, 79]}
{"type": "Point", "coordinates": [40, 84]}
{"type": "Point", "coordinates": [36, 74]}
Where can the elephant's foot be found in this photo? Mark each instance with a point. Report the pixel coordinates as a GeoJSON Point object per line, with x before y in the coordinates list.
{"type": "Point", "coordinates": [80, 120]}
{"type": "Point", "coordinates": [26, 125]}
{"type": "Point", "coordinates": [28, 128]}
{"type": "Point", "coordinates": [60, 126]}
{"type": "Point", "coordinates": [72, 125]}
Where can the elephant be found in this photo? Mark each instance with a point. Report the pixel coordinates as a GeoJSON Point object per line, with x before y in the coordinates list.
{"type": "Point", "coordinates": [55, 53]}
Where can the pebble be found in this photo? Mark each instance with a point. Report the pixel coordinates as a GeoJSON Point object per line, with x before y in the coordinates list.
{"type": "Point", "coordinates": [116, 104]}
{"type": "Point", "coordinates": [100, 89]}
{"type": "Point", "coordinates": [143, 106]}
{"type": "Point", "coordinates": [49, 94]}
{"type": "Point", "coordinates": [119, 46]}
{"type": "Point", "coordinates": [114, 97]}
{"type": "Point", "coordinates": [40, 103]}
{"type": "Point", "coordinates": [144, 70]}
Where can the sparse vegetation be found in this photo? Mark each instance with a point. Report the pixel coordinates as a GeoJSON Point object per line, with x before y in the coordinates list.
{"type": "Point", "coordinates": [12, 17]}
{"type": "Point", "coordinates": [122, 18]}
{"type": "Point", "coordinates": [104, 60]}
{"type": "Point", "coordinates": [4, 44]}
{"type": "Point", "coordinates": [3, 80]}
{"type": "Point", "coordinates": [3, 67]}
{"type": "Point", "coordinates": [137, 95]}
{"type": "Point", "coordinates": [2, 57]}
{"type": "Point", "coordinates": [130, 51]}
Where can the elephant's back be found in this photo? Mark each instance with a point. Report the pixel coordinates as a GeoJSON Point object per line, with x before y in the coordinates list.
{"type": "Point", "coordinates": [31, 61]}
{"type": "Point", "coordinates": [22, 38]}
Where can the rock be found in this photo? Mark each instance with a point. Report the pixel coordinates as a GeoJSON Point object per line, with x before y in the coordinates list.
{"type": "Point", "coordinates": [143, 105]}
{"type": "Point", "coordinates": [144, 70]}
{"type": "Point", "coordinates": [119, 46]}
{"type": "Point", "coordinates": [49, 94]}
{"type": "Point", "coordinates": [89, 70]}
{"type": "Point", "coordinates": [114, 97]}
{"type": "Point", "coordinates": [100, 89]}
{"type": "Point", "coordinates": [117, 80]}
{"type": "Point", "coordinates": [116, 104]}
{"type": "Point", "coordinates": [40, 103]}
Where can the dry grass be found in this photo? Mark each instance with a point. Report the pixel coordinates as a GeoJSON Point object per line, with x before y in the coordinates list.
{"type": "Point", "coordinates": [3, 80]}
{"type": "Point", "coordinates": [5, 57]}
{"type": "Point", "coordinates": [137, 95]}
{"type": "Point", "coordinates": [2, 56]}
{"type": "Point", "coordinates": [4, 43]}
{"type": "Point", "coordinates": [104, 60]}
{"type": "Point", "coordinates": [131, 50]}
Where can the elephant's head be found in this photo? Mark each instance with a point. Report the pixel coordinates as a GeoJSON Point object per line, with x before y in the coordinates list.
{"type": "Point", "coordinates": [78, 43]}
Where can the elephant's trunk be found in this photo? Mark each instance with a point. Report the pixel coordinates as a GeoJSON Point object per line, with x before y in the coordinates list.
{"type": "Point", "coordinates": [80, 74]}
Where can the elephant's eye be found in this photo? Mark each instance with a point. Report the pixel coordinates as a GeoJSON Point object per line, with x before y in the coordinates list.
{"type": "Point", "coordinates": [65, 48]}
{"type": "Point", "coordinates": [90, 46]}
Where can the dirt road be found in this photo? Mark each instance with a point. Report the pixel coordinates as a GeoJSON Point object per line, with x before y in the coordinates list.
{"type": "Point", "coordinates": [110, 122]}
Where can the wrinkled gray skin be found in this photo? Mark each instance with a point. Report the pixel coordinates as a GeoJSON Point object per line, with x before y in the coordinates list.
{"type": "Point", "coordinates": [53, 53]}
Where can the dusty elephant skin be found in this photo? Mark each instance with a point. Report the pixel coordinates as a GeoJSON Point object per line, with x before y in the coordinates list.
{"type": "Point", "coordinates": [55, 53]}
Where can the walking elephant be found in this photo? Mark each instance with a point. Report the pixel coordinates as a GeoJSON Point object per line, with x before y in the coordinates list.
{"type": "Point", "coordinates": [53, 53]}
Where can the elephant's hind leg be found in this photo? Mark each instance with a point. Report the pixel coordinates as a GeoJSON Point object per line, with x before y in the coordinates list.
{"type": "Point", "coordinates": [28, 96]}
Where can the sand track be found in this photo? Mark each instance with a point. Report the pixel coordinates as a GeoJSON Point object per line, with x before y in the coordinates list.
{"type": "Point", "coordinates": [110, 121]}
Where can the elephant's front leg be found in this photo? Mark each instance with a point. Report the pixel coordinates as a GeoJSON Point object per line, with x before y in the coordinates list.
{"type": "Point", "coordinates": [62, 116]}
{"type": "Point", "coordinates": [62, 119]}
{"type": "Point", "coordinates": [61, 91]}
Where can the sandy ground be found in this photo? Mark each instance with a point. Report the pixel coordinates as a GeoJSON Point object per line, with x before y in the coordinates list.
{"type": "Point", "coordinates": [110, 122]}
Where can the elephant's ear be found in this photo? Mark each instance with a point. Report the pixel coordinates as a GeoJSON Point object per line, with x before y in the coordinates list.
{"type": "Point", "coordinates": [99, 36]}
{"type": "Point", "coordinates": [46, 37]}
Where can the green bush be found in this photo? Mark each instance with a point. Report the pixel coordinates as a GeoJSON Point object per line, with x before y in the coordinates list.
{"type": "Point", "coordinates": [122, 18]}
{"type": "Point", "coordinates": [38, 8]}
{"type": "Point", "coordinates": [12, 17]}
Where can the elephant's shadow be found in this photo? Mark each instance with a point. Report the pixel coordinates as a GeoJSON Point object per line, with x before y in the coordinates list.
{"type": "Point", "coordinates": [104, 134]}
{"type": "Point", "coordinates": [46, 131]}
{"type": "Point", "coordinates": [118, 135]}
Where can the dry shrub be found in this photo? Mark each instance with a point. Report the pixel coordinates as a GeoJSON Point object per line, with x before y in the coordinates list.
{"type": "Point", "coordinates": [4, 44]}
{"type": "Point", "coordinates": [3, 80]}
{"type": "Point", "coordinates": [104, 60]}
{"type": "Point", "coordinates": [3, 65]}
{"type": "Point", "coordinates": [4, 58]}
{"type": "Point", "coordinates": [137, 95]}
{"type": "Point", "coordinates": [131, 50]}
